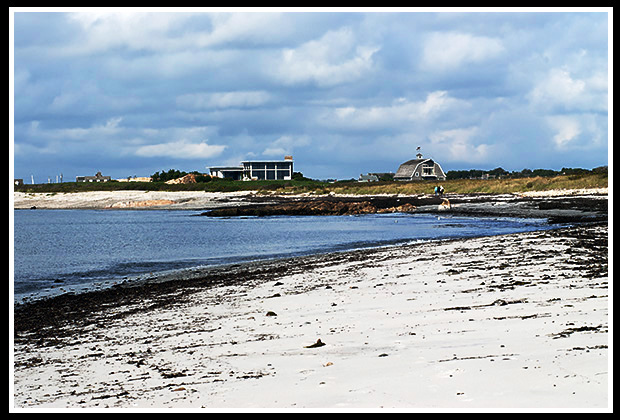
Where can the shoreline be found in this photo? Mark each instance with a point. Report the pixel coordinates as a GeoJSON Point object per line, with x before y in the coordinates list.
{"type": "Point", "coordinates": [558, 206]}
{"type": "Point", "coordinates": [567, 208]}
{"type": "Point", "coordinates": [425, 313]}
{"type": "Point", "coordinates": [200, 200]}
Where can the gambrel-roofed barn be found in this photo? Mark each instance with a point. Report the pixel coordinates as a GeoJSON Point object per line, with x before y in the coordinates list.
{"type": "Point", "coordinates": [419, 169]}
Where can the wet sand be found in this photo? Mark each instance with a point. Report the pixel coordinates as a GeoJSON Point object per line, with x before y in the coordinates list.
{"type": "Point", "coordinates": [516, 321]}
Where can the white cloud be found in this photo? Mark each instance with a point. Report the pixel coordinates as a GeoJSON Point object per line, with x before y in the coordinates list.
{"type": "Point", "coordinates": [458, 145]}
{"type": "Point", "coordinates": [37, 138]}
{"type": "Point", "coordinates": [435, 102]}
{"type": "Point", "coordinates": [558, 88]}
{"type": "Point", "coordinates": [333, 59]}
{"type": "Point", "coordinates": [400, 111]}
{"type": "Point", "coordinates": [136, 31]}
{"type": "Point", "coordinates": [181, 150]}
{"type": "Point", "coordinates": [245, 27]}
{"type": "Point", "coordinates": [155, 31]}
{"type": "Point", "coordinates": [285, 145]}
{"type": "Point", "coordinates": [97, 131]}
{"type": "Point", "coordinates": [448, 50]}
{"type": "Point", "coordinates": [238, 99]}
{"type": "Point", "coordinates": [567, 129]}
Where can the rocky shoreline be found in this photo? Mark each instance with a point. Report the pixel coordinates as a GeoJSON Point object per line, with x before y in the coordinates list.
{"type": "Point", "coordinates": [324, 206]}
{"type": "Point", "coordinates": [582, 208]}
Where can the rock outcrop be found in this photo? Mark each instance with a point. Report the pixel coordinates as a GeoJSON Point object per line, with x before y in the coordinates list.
{"type": "Point", "coordinates": [187, 179]}
{"type": "Point", "coordinates": [311, 208]}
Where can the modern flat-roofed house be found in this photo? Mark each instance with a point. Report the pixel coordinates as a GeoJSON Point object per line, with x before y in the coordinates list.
{"type": "Point", "coordinates": [419, 169]}
{"type": "Point", "coordinates": [257, 170]}
{"type": "Point", "coordinates": [97, 178]}
{"type": "Point", "coordinates": [268, 169]}
{"type": "Point", "coordinates": [229, 172]}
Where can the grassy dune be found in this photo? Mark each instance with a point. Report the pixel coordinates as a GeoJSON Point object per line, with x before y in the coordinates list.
{"type": "Point", "coordinates": [469, 186]}
{"type": "Point", "coordinates": [460, 186]}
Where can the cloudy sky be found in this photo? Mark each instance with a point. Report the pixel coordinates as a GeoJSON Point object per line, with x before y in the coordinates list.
{"type": "Point", "coordinates": [344, 93]}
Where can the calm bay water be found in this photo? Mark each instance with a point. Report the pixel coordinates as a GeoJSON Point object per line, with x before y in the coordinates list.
{"type": "Point", "coordinates": [58, 251]}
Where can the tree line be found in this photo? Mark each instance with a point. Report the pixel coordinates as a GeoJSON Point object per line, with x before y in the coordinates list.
{"type": "Point", "coordinates": [525, 173]}
{"type": "Point", "coordinates": [496, 173]}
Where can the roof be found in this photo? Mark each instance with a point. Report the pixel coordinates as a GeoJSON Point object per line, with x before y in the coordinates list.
{"type": "Point", "coordinates": [268, 161]}
{"type": "Point", "coordinates": [407, 169]}
{"type": "Point", "coordinates": [226, 168]}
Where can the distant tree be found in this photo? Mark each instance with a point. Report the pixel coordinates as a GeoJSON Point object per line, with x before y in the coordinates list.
{"type": "Point", "coordinates": [298, 176]}
{"type": "Point", "coordinates": [457, 174]}
{"type": "Point", "coordinates": [525, 173]}
{"type": "Point", "coordinates": [167, 176]}
{"type": "Point", "coordinates": [465, 174]}
{"type": "Point", "coordinates": [386, 177]}
{"type": "Point", "coordinates": [544, 172]}
{"type": "Point", "coordinates": [574, 171]}
{"type": "Point", "coordinates": [498, 172]}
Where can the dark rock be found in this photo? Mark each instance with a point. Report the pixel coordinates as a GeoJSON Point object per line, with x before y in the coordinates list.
{"type": "Point", "coordinates": [318, 343]}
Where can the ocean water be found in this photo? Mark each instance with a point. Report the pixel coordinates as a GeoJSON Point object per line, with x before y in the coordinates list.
{"type": "Point", "coordinates": [58, 251]}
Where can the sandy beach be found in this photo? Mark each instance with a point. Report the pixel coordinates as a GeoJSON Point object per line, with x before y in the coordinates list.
{"type": "Point", "coordinates": [510, 322]}
{"type": "Point", "coordinates": [170, 200]}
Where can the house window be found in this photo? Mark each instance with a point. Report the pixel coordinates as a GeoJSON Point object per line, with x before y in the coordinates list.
{"type": "Point", "coordinates": [267, 170]}
{"type": "Point", "coordinates": [428, 170]}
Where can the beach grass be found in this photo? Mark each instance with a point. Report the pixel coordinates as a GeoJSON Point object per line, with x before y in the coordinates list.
{"type": "Point", "coordinates": [461, 186]}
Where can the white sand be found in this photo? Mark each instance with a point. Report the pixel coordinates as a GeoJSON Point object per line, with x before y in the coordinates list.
{"type": "Point", "coordinates": [566, 192]}
{"type": "Point", "coordinates": [393, 338]}
{"type": "Point", "coordinates": [111, 199]}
